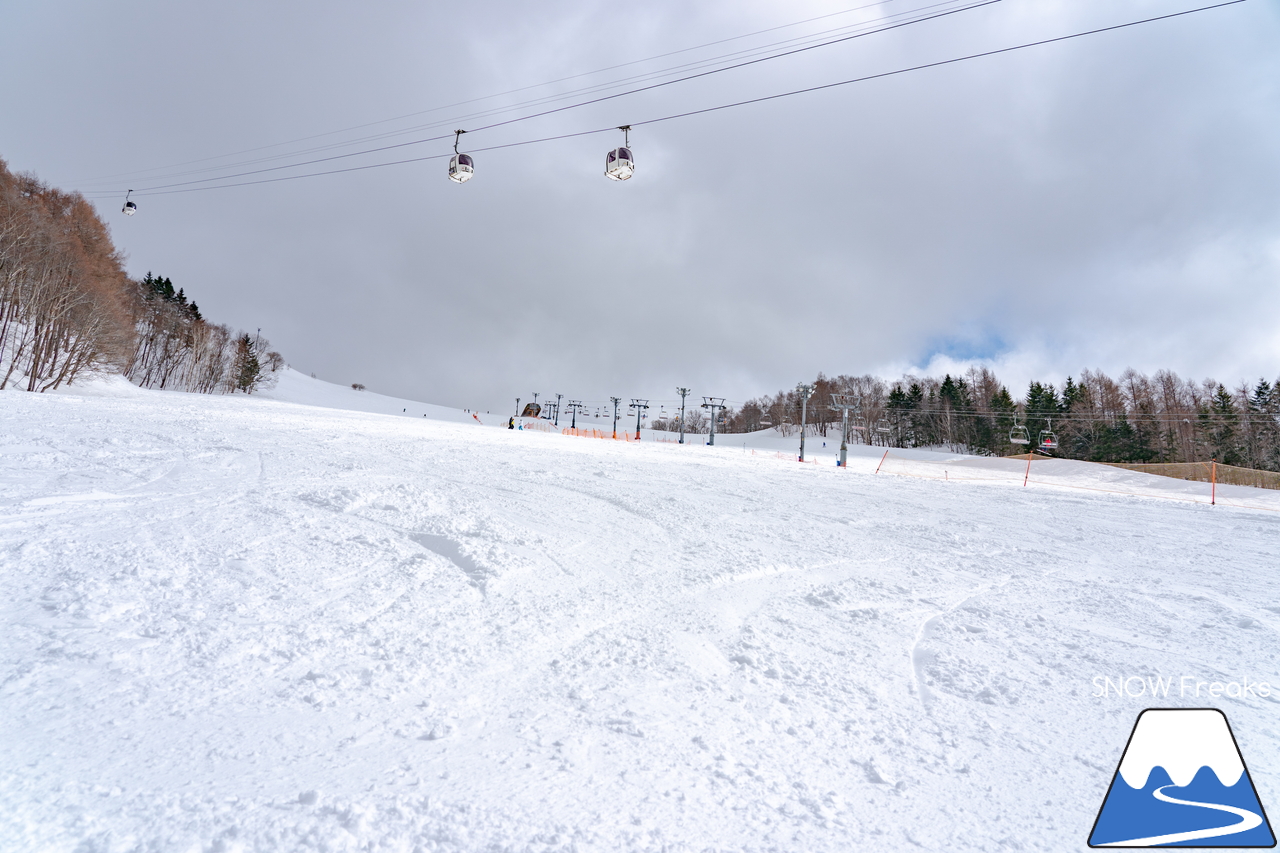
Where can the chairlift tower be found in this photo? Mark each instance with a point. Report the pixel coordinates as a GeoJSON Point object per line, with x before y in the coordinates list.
{"type": "Point", "coordinates": [713, 403]}
{"type": "Point", "coordinates": [805, 392]}
{"type": "Point", "coordinates": [844, 402]}
{"type": "Point", "coordinates": [684, 392]}
{"type": "Point", "coordinates": [639, 406]}
{"type": "Point", "coordinates": [615, 401]}
{"type": "Point", "coordinates": [575, 406]}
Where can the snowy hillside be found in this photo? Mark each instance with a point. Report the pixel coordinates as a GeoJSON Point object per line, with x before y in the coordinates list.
{"type": "Point", "coordinates": [235, 623]}
{"type": "Point", "coordinates": [294, 387]}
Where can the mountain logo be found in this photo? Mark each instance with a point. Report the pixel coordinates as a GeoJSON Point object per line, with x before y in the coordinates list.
{"type": "Point", "coordinates": [1181, 782]}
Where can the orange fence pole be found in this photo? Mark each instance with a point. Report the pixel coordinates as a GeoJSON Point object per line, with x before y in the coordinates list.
{"type": "Point", "coordinates": [1027, 476]}
{"type": "Point", "coordinates": [886, 453]}
{"type": "Point", "coordinates": [1213, 480]}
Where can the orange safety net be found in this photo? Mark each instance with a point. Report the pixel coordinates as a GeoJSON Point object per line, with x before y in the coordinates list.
{"type": "Point", "coordinates": [584, 433]}
{"type": "Point", "coordinates": [597, 433]}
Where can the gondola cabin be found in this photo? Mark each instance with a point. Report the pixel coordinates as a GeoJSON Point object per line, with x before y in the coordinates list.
{"type": "Point", "coordinates": [461, 168]}
{"type": "Point", "coordinates": [619, 164]}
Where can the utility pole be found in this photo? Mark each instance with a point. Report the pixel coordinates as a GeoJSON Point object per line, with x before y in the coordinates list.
{"type": "Point", "coordinates": [558, 396]}
{"type": "Point", "coordinates": [713, 403]}
{"type": "Point", "coordinates": [843, 402]}
{"type": "Point", "coordinates": [517, 407]}
{"type": "Point", "coordinates": [615, 401]}
{"type": "Point", "coordinates": [640, 406]}
{"type": "Point", "coordinates": [684, 392]}
{"type": "Point", "coordinates": [805, 392]}
{"type": "Point", "coordinates": [574, 406]}
{"type": "Point", "coordinates": [536, 410]}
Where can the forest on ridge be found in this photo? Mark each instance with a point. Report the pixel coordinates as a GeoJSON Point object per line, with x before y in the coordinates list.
{"type": "Point", "coordinates": [1136, 418]}
{"type": "Point", "coordinates": [68, 309]}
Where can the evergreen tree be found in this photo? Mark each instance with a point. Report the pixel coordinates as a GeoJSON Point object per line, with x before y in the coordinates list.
{"type": "Point", "coordinates": [1041, 407]}
{"type": "Point", "coordinates": [958, 414]}
{"type": "Point", "coordinates": [1002, 411]}
{"type": "Point", "coordinates": [1223, 427]}
{"type": "Point", "coordinates": [1071, 394]}
{"type": "Point", "coordinates": [900, 406]}
{"type": "Point", "coordinates": [247, 368]}
{"type": "Point", "coordinates": [1117, 442]}
{"type": "Point", "coordinates": [1259, 429]}
{"type": "Point", "coordinates": [1264, 412]}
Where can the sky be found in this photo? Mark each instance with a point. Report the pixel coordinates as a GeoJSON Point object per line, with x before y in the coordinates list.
{"type": "Point", "coordinates": [1103, 202]}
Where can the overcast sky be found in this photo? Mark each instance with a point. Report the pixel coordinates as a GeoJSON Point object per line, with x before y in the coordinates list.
{"type": "Point", "coordinates": [1103, 202]}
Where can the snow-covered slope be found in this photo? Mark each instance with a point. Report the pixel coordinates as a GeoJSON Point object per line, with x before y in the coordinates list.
{"type": "Point", "coordinates": [294, 387]}
{"type": "Point", "coordinates": [239, 623]}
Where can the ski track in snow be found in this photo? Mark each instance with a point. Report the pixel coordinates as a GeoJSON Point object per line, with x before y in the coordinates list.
{"type": "Point", "coordinates": [239, 624]}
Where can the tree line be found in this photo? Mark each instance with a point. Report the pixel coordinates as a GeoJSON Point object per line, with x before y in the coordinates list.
{"type": "Point", "coordinates": [68, 309]}
{"type": "Point", "coordinates": [1136, 418]}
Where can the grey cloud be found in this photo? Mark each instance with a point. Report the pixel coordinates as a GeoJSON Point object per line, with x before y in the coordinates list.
{"type": "Point", "coordinates": [1100, 203]}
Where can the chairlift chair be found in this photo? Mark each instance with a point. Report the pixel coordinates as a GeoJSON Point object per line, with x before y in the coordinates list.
{"type": "Point", "coordinates": [129, 208]}
{"type": "Point", "coordinates": [1019, 433]}
{"type": "Point", "coordinates": [1048, 441]}
{"type": "Point", "coordinates": [882, 425]}
{"type": "Point", "coordinates": [859, 423]}
{"type": "Point", "coordinates": [620, 163]}
{"type": "Point", "coordinates": [461, 166]}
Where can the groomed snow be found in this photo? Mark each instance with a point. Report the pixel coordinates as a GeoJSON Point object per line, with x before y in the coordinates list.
{"type": "Point", "coordinates": [236, 623]}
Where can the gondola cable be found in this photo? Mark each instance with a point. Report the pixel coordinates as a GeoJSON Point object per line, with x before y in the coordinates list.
{"type": "Point", "coordinates": [184, 187]}
{"type": "Point", "coordinates": [593, 101]}
{"type": "Point", "coordinates": [496, 94]}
